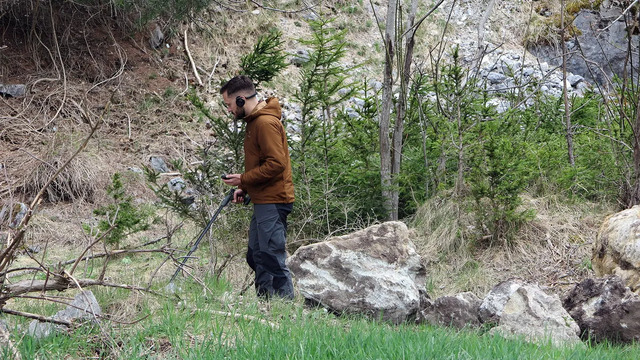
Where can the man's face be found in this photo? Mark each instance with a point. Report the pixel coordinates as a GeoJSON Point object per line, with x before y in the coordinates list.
{"type": "Point", "coordinates": [230, 102]}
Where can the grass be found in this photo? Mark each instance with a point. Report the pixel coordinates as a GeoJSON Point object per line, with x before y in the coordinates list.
{"type": "Point", "coordinates": [196, 327]}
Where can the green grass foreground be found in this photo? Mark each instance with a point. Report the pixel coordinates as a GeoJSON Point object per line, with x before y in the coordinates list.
{"type": "Point", "coordinates": [225, 326]}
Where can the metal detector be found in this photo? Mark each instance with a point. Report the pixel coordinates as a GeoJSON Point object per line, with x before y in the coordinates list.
{"type": "Point", "coordinates": [224, 203]}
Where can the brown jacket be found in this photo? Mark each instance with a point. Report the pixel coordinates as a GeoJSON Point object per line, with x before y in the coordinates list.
{"type": "Point", "coordinates": [267, 167]}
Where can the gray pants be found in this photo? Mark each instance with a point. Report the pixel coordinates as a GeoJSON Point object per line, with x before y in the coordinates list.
{"type": "Point", "coordinates": [266, 254]}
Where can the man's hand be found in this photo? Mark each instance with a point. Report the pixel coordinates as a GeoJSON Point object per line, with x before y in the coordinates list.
{"type": "Point", "coordinates": [238, 196]}
{"type": "Point", "coordinates": [231, 179]}
{"type": "Point", "coordinates": [234, 180]}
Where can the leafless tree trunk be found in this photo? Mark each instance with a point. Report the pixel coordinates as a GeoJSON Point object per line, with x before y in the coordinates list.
{"type": "Point", "coordinates": [391, 153]}
{"type": "Point", "coordinates": [567, 111]}
{"type": "Point", "coordinates": [385, 114]}
{"type": "Point", "coordinates": [398, 133]}
{"type": "Point", "coordinates": [481, 25]}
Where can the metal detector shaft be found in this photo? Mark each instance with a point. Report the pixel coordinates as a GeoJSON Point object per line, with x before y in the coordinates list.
{"type": "Point", "coordinates": [224, 203]}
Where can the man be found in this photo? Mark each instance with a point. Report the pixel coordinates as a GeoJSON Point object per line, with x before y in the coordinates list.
{"type": "Point", "coordinates": [267, 180]}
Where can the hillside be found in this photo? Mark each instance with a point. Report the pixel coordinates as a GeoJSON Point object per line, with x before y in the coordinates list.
{"type": "Point", "coordinates": [88, 70]}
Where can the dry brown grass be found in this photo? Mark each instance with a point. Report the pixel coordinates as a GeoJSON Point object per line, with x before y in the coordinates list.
{"type": "Point", "coordinates": [553, 250]}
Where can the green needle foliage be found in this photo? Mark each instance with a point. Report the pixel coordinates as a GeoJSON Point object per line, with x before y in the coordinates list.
{"type": "Point", "coordinates": [120, 218]}
{"type": "Point", "coordinates": [267, 58]}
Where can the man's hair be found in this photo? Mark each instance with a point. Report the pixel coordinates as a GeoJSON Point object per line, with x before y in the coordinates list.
{"type": "Point", "coordinates": [240, 83]}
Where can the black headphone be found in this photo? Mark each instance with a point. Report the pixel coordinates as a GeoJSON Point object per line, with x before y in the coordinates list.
{"type": "Point", "coordinates": [240, 100]}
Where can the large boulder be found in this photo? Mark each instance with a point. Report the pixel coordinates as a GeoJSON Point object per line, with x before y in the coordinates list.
{"type": "Point", "coordinates": [599, 49]}
{"type": "Point", "coordinates": [458, 311]}
{"type": "Point", "coordinates": [375, 271]}
{"type": "Point", "coordinates": [519, 309]}
{"type": "Point", "coordinates": [617, 248]}
{"type": "Point", "coordinates": [605, 309]}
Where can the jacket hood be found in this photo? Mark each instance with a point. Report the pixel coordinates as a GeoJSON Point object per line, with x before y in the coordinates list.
{"type": "Point", "coordinates": [270, 106]}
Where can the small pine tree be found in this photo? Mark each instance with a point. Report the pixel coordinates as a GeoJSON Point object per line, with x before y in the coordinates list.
{"type": "Point", "coordinates": [121, 217]}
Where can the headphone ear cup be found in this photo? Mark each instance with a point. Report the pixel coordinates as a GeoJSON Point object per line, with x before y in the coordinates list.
{"type": "Point", "coordinates": [239, 101]}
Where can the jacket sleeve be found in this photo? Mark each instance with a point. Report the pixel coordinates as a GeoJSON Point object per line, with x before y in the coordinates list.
{"type": "Point", "coordinates": [271, 142]}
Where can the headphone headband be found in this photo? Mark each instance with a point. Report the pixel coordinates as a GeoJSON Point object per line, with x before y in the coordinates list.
{"type": "Point", "coordinates": [240, 100]}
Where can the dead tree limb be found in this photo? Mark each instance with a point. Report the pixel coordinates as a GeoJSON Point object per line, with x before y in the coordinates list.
{"type": "Point", "coordinates": [36, 317]}
{"type": "Point", "coordinates": [60, 283]}
{"type": "Point", "coordinates": [193, 65]}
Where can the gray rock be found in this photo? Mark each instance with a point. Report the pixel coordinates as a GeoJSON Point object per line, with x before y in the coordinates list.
{"type": "Point", "coordinates": [83, 307]}
{"type": "Point", "coordinates": [300, 57]}
{"type": "Point", "coordinates": [375, 271]}
{"type": "Point", "coordinates": [358, 102]}
{"type": "Point", "coordinates": [176, 184]}
{"type": "Point", "coordinates": [135, 169]}
{"type": "Point", "coordinates": [528, 71]}
{"type": "Point", "coordinates": [495, 77]}
{"type": "Point", "coordinates": [605, 309]}
{"type": "Point", "coordinates": [457, 311]}
{"type": "Point", "coordinates": [574, 79]}
{"type": "Point", "coordinates": [521, 309]}
{"type": "Point", "coordinates": [16, 90]}
{"type": "Point", "coordinates": [602, 41]}
{"type": "Point", "coordinates": [158, 164]}
{"type": "Point", "coordinates": [310, 16]}
{"type": "Point", "coordinates": [41, 330]}
{"type": "Point", "coordinates": [157, 38]}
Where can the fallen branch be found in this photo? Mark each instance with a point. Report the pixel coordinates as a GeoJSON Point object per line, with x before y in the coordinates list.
{"type": "Point", "coordinates": [117, 252]}
{"type": "Point", "coordinates": [242, 316]}
{"type": "Point", "coordinates": [59, 283]}
{"type": "Point", "coordinates": [193, 65]}
{"type": "Point", "coordinates": [36, 317]}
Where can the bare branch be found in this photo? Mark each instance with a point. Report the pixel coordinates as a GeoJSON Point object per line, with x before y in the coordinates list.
{"type": "Point", "coordinates": [619, 17]}
{"type": "Point", "coordinates": [60, 283]}
{"type": "Point", "coordinates": [242, 316]}
{"type": "Point", "coordinates": [193, 65]}
{"type": "Point", "coordinates": [36, 317]}
{"type": "Point", "coordinates": [309, 7]}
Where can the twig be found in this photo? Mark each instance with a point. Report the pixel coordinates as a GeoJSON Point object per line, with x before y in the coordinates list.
{"type": "Point", "coordinates": [36, 317]}
{"type": "Point", "coordinates": [61, 283]}
{"type": "Point", "coordinates": [77, 261]}
{"type": "Point", "coordinates": [212, 71]}
{"type": "Point", "coordinates": [116, 252]}
{"type": "Point", "coordinates": [54, 300]}
{"type": "Point", "coordinates": [128, 125]}
{"type": "Point", "coordinates": [64, 72]}
{"type": "Point", "coordinates": [309, 7]}
{"type": "Point", "coordinates": [37, 158]}
{"type": "Point", "coordinates": [242, 316]}
{"type": "Point", "coordinates": [193, 65]}
{"type": "Point", "coordinates": [186, 87]}
{"type": "Point", "coordinates": [619, 17]}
